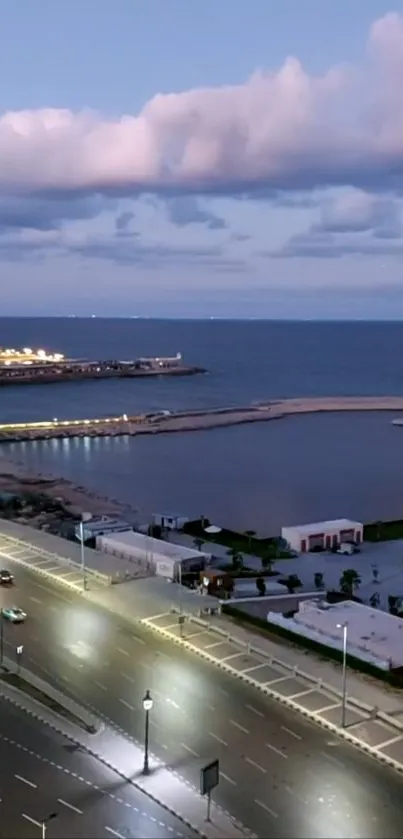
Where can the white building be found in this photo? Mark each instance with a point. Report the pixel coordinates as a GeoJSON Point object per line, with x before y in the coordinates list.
{"type": "Point", "coordinates": [324, 534]}
{"type": "Point", "coordinates": [158, 557]}
{"type": "Point", "coordinates": [372, 635]}
{"type": "Point", "coordinates": [100, 526]}
{"type": "Point", "coordinates": [170, 521]}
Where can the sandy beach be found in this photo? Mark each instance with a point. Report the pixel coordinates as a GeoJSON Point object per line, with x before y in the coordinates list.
{"type": "Point", "coordinates": [16, 478]}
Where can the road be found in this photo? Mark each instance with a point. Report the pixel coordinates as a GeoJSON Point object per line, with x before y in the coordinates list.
{"type": "Point", "coordinates": [42, 775]}
{"type": "Point", "coordinates": [280, 774]}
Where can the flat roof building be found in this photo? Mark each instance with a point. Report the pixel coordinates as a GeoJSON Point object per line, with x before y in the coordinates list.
{"type": "Point", "coordinates": [324, 534]}
{"type": "Point", "coordinates": [372, 635]}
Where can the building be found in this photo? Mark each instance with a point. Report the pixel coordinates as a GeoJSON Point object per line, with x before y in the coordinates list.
{"type": "Point", "coordinates": [170, 521]}
{"type": "Point", "coordinates": [153, 555]}
{"type": "Point", "coordinates": [324, 534]}
{"type": "Point", "coordinates": [372, 635]}
{"type": "Point", "coordinates": [100, 527]}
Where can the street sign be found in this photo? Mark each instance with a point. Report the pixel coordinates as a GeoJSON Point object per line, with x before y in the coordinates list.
{"type": "Point", "coordinates": [209, 777]}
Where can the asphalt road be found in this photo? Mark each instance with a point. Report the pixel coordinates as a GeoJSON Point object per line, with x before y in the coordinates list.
{"type": "Point", "coordinates": [42, 775]}
{"type": "Point", "coordinates": [280, 775]}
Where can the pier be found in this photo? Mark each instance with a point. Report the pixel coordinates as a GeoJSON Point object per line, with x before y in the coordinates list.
{"type": "Point", "coordinates": [32, 367]}
{"type": "Point", "coordinates": [165, 422]}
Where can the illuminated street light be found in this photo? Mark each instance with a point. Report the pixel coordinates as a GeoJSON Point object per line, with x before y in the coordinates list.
{"type": "Point", "coordinates": [343, 626]}
{"type": "Point", "coordinates": [147, 705]}
{"type": "Point", "coordinates": [84, 517]}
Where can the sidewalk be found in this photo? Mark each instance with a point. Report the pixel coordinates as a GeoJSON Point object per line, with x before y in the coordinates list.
{"type": "Point", "coordinates": [125, 757]}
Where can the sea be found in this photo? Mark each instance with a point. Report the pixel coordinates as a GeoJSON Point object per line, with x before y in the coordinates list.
{"type": "Point", "coordinates": [252, 477]}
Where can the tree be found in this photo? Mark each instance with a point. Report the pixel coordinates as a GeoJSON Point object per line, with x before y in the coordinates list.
{"type": "Point", "coordinates": [375, 573]}
{"type": "Point", "coordinates": [267, 562]}
{"type": "Point", "coordinates": [237, 558]}
{"type": "Point", "coordinates": [292, 582]}
{"type": "Point", "coordinates": [249, 535]}
{"type": "Point", "coordinates": [198, 543]}
{"type": "Point", "coordinates": [374, 600]}
{"type": "Point", "coordinates": [392, 604]}
{"type": "Point", "coordinates": [261, 586]}
{"type": "Point", "coordinates": [350, 580]}
{"type": "Point", "coordinates": [318, 579]}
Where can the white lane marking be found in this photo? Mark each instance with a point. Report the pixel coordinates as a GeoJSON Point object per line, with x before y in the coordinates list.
{"type": "Point", "coordinates": [29, 819]}
{"type": "Point", "coordinates": [70, 806]}
{"type": "Point", "coordinates": [129, 678]}
{"type": "Point", "coordinates": [277, 751]}
{"type": "Point", "coordinates": [114, 832]}
{"type": "Point", "coordinates": [238, 725]}
{"type": "Point", "coordinates": [188, 749]}
{"type": "Point", "coordinates": [256, 765]}
{"type": "Point", "coordinates": [293, 733]}
{"type": "Point", "coordinates": [211, 707]}
{"type": "Point", "coordinates": [120, 650]}
{"type": "Point", "coordinates": [390, 742]}
{"type": "Point", "coordinates": [25, 781]}
{"type": "Point", "coordinates": [223, 691]}
{"type": "Point", "coordinates": [216, 737]}
{"type": "Point", "coordinates": [138, 640]}
{"type": "Point", "coordinates": [333, 759]}
{"type": "Point", "coordinates": [265, 807]}
{"type": "Point", "coordinates": [127, 704]}
{"type": "Point", "coordinates": [100, 685]}
{"type": "Point", "coordinates": [172, 702]}
{"type": "Point", "coordinates": [35, 599]}
{"type": "Point", "coordinates": [254, 710]}
{"type": "Point", "coordinates": [227, 778]}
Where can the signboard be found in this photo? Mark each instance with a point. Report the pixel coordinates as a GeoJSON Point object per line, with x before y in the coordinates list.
{"type": "Point", "coordinates": [209, 777]}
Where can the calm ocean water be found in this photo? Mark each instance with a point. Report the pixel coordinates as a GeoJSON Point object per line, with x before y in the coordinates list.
{"type": "Point", "coordinates": [260, 477]}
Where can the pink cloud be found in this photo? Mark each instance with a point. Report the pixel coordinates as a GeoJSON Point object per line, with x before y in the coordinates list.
{"type": "Point", "coordinates": [279, 130]}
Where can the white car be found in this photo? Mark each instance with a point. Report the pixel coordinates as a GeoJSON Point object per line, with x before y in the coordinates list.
{"type": "Point", "coordinates": [13, 614]}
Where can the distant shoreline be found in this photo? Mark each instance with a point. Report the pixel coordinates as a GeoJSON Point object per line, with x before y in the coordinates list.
{"type": "Point", "coordinates": [165, 422]}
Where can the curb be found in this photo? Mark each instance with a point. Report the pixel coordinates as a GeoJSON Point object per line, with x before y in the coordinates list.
{"type": "Point", "coordinates": [283, 700]}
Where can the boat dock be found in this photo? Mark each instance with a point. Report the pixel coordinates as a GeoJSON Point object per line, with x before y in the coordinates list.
{"type": "Point", "coordinates": [164, 422]}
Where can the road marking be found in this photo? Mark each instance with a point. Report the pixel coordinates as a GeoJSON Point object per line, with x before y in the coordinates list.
{"type": "Point", "coordinates": [70, 806]}
{"type": "Point", "coordinates": [328, 707]}
{"type": "Point", "coordinates": [238, 725]}
{"type": "Point", "coordinates": [255, 710]}
{"type": "Point", "coordinates": [227, 778]}
{"type": "Point", "coordinates": [390, 742]}
{"type": "Point", "coordinates": [302, 693]}
{"type": "Point", "coordinates": [333, 759]}
{"type": "Point", "coordinates": [138, 640]}
{"type": "Point", "coordinates": [99, 685]}
{"type": "Point", "coordinates": [223, 691]}
{"type": "Point", "coordinates": [277, 751]}
{"type": "Point", "coordinates": [120, 650]}
{"type": "Point", "coordinates": [127, 704]}
{"type": "Point", "coordinates": [216, 737]}
{"type": "Point", "coordinates": [114, 832]}
{"type": "Point", "coordinates": [293, 733]}
{"type": "Point", "coordinates": [29, 819]}
{"type": "Point", "coordinates": [172, 702]}
{"type": "Point", "coordinates": [25, 781]}
{"type": "Point", "coordinates": [129, 678]}
{"type": "Point", "coordinates": [265, 807]}
{"type": "Point", "coordinates": [35, 599]}
{"type": "Point", "coordinates": [211, 707]}
{"type": "Point", "coordinates": [256, 765]}
{"type": "Point", "coordinates": [188, 749]}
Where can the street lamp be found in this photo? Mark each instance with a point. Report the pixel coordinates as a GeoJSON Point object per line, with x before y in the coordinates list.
{"type": "Point", "coordinates": [147, 705]}
{"type": "Point", "coordinates": [343, 626]}
{"type": "Point", "coordinates": [1, 637]}
{"type": "Point", "coordinates": [84, 517]}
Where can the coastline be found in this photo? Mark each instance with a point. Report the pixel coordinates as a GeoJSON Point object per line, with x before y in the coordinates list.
{"type": "Point", "coordinates": [165, 422]}
{"type": "Point", "coordinates": [16, 478]}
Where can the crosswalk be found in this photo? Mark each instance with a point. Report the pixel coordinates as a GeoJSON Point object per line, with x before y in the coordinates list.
{"type": "Point", "coordinates": [58, 568]}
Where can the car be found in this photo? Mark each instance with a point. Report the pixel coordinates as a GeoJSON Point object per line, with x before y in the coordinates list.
{"type": "Point", "coordinates": [13, 614]}
{"type": "Point", "coordinates": [5, 577]}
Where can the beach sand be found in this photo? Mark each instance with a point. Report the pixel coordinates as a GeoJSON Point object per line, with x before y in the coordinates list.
{"type": "Point", "coordinates": [16, 478]}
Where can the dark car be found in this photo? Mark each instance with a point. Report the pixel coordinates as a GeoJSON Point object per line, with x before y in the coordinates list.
{"type": "Point", "coordinates": [6, 578]}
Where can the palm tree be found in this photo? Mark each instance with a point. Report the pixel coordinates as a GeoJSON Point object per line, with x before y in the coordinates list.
{"type": "Point", "coordinates": [198, 543]}
{"type": "Point", "coordinates": [249, 535]}
{"type": "Point", "coordinates": [237, 558]}
{"type": "Point", "coordinates": [292, 582]}
{"type": "Point", "coordinates": [350, 581]}
{"type": "Point", "coordinates": [318, 579]}
{"type": "Point", "coordinates": [267, 562]}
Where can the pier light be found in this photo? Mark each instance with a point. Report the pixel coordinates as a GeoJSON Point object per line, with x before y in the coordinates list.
{"type": "Point", "coordinates": [125, 417]}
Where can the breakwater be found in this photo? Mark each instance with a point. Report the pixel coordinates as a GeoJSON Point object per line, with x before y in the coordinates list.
{"type": "Point", "coordinates": [165, 422]}
{"type": "Point", "coordinates": [76, 371]}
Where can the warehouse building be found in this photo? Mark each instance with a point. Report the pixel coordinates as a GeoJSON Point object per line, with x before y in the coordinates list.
{"type": "Point", "coordinates": [154, 556]}
{"type": "Point", "coordinates": [324, 534]}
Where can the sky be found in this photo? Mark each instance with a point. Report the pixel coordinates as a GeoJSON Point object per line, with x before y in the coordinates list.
{"type": "Point", "coordinates": [195, 159]}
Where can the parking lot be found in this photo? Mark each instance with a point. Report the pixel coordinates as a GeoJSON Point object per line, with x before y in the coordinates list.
{"type": "Point", "coordinates": [269, 675]}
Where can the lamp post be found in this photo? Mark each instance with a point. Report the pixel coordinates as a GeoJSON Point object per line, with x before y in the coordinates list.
{"type": "Point", "coordinates": [1, 637]}
{"type": "Point", "coordinates": [147, 705]}
{"type": "Point", "coordinates": [84, 517]}
{"type": "Point", "coordinates": [343, 626]}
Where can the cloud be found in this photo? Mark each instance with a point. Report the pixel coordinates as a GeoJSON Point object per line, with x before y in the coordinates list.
{"type": "Point", "coordinates": [356, 211]}
{"type": "Point", "coordinates": [186, 209]}
{"type": "Point", "coordinates": [282, 130]}
{"type": "Point", "coordinates": [318, 244]}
